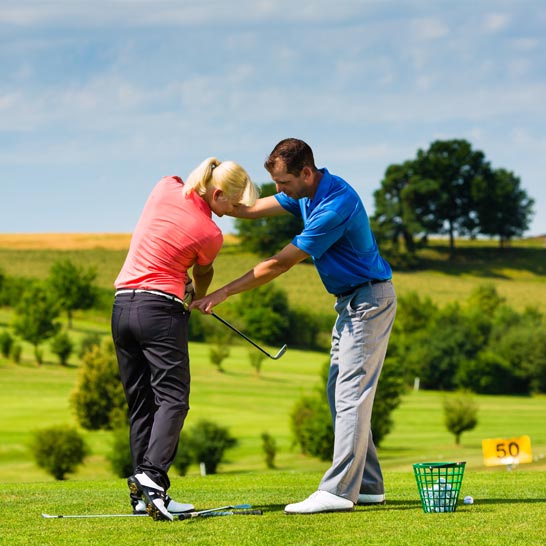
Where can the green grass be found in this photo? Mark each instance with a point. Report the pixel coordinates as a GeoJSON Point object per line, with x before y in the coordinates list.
{"type": "Point", "coordinates": [518, 272]}
{"type": "Point", "coordinates": [248, 404]}
{"type": "Point", "coordinates": [508, 509]}
{"type": "Point", "coordinates": [509, 506]}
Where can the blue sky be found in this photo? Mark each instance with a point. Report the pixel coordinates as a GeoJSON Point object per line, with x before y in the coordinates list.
{"type": "Point", "coordinates": [98, 100]}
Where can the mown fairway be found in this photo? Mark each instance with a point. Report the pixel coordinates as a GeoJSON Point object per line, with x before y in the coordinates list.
{"type": "Point", "coordinates": [508, 509]}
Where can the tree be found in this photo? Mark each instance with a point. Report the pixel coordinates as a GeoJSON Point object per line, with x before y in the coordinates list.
{"type": "Point", "coordinates": [98, 399]}
{"type": "Point", "coordinates": [36, 316]}
{"type": "Point", "coordinates": [504, 209]}
{"type": "Point", "coordinates": [394, 214]}
{"type": "Point", "coordinates": [73, 287]}
{"type": "Point", "coordinates": [265, 236]}
{"type": "Point", "coordinates": [460, 414]}
{"type": "Point", "coordinates": [452, 166]}
{"type": "Point", "coordinates": [264, 312]}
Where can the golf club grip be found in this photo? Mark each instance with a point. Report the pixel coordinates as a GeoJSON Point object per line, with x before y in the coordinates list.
{"type": "Point", "coordinates": [189, 515]}
{"type": "Point", "coordinates": [256, 512]}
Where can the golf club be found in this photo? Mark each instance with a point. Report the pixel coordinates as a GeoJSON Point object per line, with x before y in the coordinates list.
{"type": "Point", "coordinates": [282, 350]}
{"type": "Point", "coordinates": [211, 511]}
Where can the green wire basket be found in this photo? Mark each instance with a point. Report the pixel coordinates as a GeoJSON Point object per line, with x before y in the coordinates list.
{"type": "Point", "coordinates": [439, 485]}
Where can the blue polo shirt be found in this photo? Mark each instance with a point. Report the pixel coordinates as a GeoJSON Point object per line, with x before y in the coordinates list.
{"type": "Point", "coordinates": [337, 235]}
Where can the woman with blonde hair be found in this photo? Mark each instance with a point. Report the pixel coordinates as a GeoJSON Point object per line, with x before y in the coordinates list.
{"type": "Point", "coordinates": [175, 233]}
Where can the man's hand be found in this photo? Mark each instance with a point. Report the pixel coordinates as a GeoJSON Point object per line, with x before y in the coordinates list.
{"type": "Point", "coordinates": [206, 304]}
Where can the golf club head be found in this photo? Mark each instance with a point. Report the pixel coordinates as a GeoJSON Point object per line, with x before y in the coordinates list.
{"type": "Point", "coordinates": [282, 350]}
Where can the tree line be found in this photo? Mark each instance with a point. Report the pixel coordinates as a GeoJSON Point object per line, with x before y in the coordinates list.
{"type": "Point", "coordinates": [448, 189]}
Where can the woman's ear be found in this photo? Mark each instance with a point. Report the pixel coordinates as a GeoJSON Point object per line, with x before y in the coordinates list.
{"type": "Point", "coordinates": [217, 194]}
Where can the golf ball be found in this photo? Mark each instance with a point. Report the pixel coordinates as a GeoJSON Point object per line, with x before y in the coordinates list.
{"type": "Point", "coordinates": [468, 500]}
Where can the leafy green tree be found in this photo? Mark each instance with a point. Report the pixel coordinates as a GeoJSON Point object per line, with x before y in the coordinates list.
{"type": "Point", "coordinates": [36, 316]}
{"type": "Point", "coordinates": [98, 399]}
{"type": "Point", "coordinates": [59, 450]}
{"type": "Point", "coordinates": [266, 236]}
{"type": "Point", "coordinates": [395, 216]}
{"type": "Point", "coordinates": [450, 168]}
{"type": "Point", "coordinates": [460, 414]}
{"type": "Point", "coordinates": [504, 209]}
{"type": "Point", "coordinates": [62, 346]}
{"type": "Point", "coordinates": [73, 287]}
{"type": "Point", "coordinates": [264, 312]}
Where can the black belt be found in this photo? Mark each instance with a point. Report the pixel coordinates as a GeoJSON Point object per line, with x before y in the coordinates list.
{"type": "Point", "coordinates": [367, 283]}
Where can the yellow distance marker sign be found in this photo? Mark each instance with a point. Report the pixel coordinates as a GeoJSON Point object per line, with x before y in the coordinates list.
{"type": "Point", "coordinates": [502, 451]}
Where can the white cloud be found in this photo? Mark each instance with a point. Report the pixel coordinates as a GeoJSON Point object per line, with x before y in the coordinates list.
{"type": "Point", "coordinates": [496, 22]}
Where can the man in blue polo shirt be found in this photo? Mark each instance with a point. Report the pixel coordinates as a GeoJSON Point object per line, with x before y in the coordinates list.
{"type": "Point", "coordinates": [338, 237]}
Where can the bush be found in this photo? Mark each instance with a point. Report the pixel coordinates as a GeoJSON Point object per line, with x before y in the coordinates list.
{"type": "Point", "coordinates": [269, 447]}
{"type": "Point", "coordinates": [59, 450]}
{"type": "Point", "coordinates": [460, 414]}
{"type": "Point", "coordinates": [256, 360]}
{"type": "Point", "coordinates": [388, 396]}
{"type": "Point", "coordinates": [16, 352]}
{"type": "Point", "coordinates": [183, 457]}
{"type": "Point", "coordinates": [62, 346]}
{"type": "Point", "coordinates": [218, 354]}
{"type": "Point", "coordinates": [311, 423]}
{"type": "Point", "coordinates": [119, 456]}
{"type": "Point", "coordinates": [6, 343]}
{"type": "Point", "coordinates": [207, 443]}
{"type": "Point", "coordinates": [98, 399]}
{"type": "Point", "coordinates": [88, 342]}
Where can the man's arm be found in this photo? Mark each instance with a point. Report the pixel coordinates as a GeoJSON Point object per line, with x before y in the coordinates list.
{"type": "Point", "coordinates": [266, 206]}
{"type": "Point", "coordinates": [261, 273]}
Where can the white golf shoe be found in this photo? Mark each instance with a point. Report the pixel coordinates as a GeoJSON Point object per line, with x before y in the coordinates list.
{"type": "Point", "coordinates": [365, 499]}
{"type": "Point", "coordinates": [320, 501]}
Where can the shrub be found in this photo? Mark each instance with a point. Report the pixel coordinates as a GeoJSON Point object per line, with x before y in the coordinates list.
{"type": "Point", "coordinates": [62, 346]}
{"type": "Point", "coordinates": [218, 354]}
{"type": "Point", "coordinates": [311, 424]}
{"type": "Point", "coordinates": [119, 456]}
{"type": "Point", "coordinates": [15, 353]}
{"type": "Point", "coordinates": [59, 450]}
{"type": "Point", "coordinates": [460, 414]}
{"type": "Point", "coordinates": [207, 443]}
{"type": "Point", "coordinates": [269, 447]}
{"type": "Point", "coordinates": [88, 342]}
{"type": "Point", "coordinates": [98, 399]}
{"type": "Point", "coordinates": [6, 343]}
{"type": "Point", "coordinates": [256, 359]}
{"type": "Point", "coordinates": [183, 457]}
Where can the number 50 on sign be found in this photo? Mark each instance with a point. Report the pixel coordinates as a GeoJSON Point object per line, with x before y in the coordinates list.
{"type": "Point", "coordinates": [507, 451]}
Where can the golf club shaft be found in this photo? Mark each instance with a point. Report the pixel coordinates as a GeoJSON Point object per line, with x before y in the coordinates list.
{"type": "Point", "coordinates": [278, 355]}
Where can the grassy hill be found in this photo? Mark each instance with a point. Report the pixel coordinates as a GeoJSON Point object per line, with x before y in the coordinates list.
{"type": "Point", "coordinates": [250, 404]}
{"type": "Point", "coordinates": [518, 272]}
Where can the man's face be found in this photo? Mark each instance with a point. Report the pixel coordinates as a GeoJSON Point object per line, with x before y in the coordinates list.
{"type": "Point", "coordinates": [295, 187]}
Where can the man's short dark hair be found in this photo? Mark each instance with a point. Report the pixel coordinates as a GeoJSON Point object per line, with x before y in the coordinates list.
{"type": "Point", "coordinates": [295, 154]}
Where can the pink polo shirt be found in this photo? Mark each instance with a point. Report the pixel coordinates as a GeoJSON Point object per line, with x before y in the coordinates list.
{"type": "Point", "coordinates": [174, 232]}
